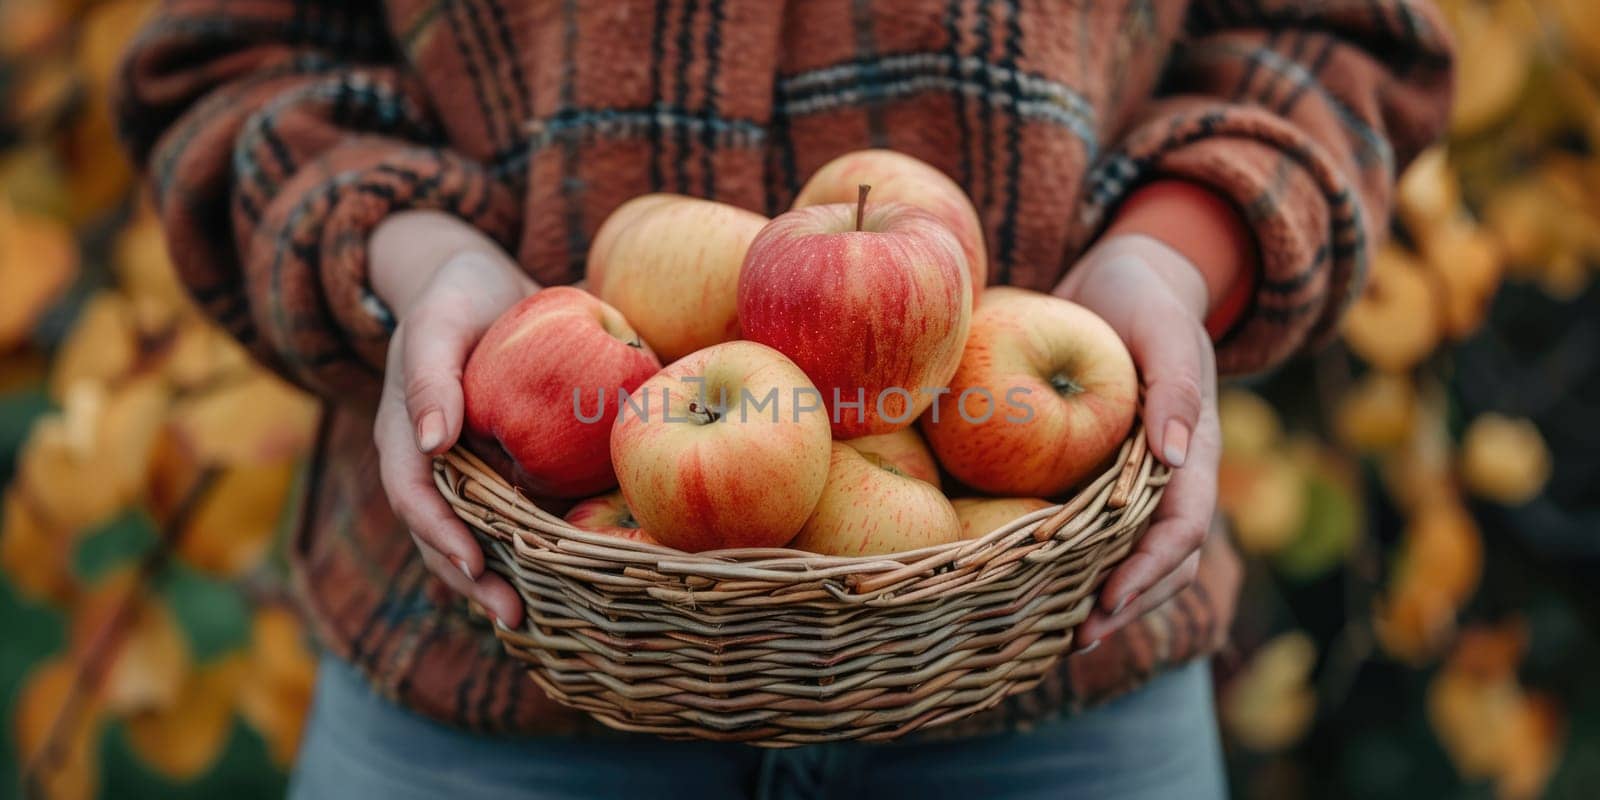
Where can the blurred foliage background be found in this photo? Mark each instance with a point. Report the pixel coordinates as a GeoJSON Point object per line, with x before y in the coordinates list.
{"type": "Point", "coordinates": [1417, 503]}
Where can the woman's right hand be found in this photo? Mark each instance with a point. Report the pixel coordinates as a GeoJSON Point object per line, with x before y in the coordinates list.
{"type": "Point", "coordinates": [446, 283]}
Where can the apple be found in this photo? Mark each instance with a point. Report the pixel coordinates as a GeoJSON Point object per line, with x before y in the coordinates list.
{"type": "Point", "coordinates": [981, 516]}
{"type": "Point", "coordinates": [899, 177]}
{"type": "Point", "coordinates": [543, 385]}
{"type": "Point", "coordinates": [873, 302]}
{"type": "Point", "coordinates": [670, 264]}
{"type": "Point", "coordinates": [1046, 391]}
{"type": "Point", "coordinates": [608, 513]}
{"type": "Point", "coordinates": [904, 450]}
{"type": "Point", "coordinates": [727, 447]}
{"type": "Point", "coordinates": [869, 507]}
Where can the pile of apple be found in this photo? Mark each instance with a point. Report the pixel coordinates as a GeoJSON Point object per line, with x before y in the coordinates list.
{"type": "Point", "coordinates": [803, 354]}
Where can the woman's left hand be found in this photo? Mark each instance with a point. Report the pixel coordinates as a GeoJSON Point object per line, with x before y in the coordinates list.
{"type": "Point", "coordinates": [1156, 300]}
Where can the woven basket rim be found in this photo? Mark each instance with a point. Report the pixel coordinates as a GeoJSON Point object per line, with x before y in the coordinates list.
{"type": "Point", "coordinates": [1132, 466]}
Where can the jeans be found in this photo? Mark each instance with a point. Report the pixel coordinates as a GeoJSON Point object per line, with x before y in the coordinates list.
{"type": "Point", "coordinates": [1160, 741]}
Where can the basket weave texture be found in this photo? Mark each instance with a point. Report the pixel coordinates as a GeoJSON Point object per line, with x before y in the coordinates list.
{"type": "Point", "coordinates": [777, 647]}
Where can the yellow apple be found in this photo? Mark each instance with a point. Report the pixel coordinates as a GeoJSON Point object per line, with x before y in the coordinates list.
{"type": "Point", "coordinates": [727, 447]}
{"type": "Point", "coordinates": [869, 507]}
{"type": "Point", "coordinates": [904, 450]}
{"type": "Point", "coordinates": [981, 516]}
{"type": "Point", "coordinates": [671, 264]}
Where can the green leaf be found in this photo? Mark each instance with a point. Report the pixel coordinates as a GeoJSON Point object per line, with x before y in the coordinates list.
{"type": "Point", "coordinates": [1327, 533]}
{"type": "Point", "coordinates": [213, 613]}
{"type": "Point", "coordinates": [119, 542]}
{"type": "Point", "coordinates": [243, 770]}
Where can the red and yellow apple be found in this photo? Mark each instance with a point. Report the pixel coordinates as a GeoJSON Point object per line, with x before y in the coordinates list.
{"type": "Point", "coordinates": [904, 450]}
{"type": "Point", "coordinates": [869, 507]}
{"type": "Point", "coordinates": [981, 516]}
{"type": "Point", "coordinates": [1046, 391]}
{"type": "Point", "coordinates": [873, 306]}
{"type": "Point", "coordinates": [609, 514]}
{"type": "Point", "coordinates": [671, 264]}
{"type": "Point", "coordinates": [727, 447]}
{"type": "Point", "coordinates": [898, 177]}
{"type": "Point", "coordinates": [544, 383]}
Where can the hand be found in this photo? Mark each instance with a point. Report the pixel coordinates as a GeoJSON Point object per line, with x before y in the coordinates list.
{"type": "Point", "coordinates": [446, 283]}
{"type": "Point", "coordinates": [1156, 300]}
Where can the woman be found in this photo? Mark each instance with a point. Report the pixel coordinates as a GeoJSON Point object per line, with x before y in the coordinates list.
{"type": "Point", "coordinates": [356, 189]}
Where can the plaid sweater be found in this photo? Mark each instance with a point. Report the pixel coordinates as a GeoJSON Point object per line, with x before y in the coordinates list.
{"type": "Point", "coordinates": [277, 133]}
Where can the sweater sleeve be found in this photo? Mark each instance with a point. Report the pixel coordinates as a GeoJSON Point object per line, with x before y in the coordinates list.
{"type": "Point", "coordinates": [275, 134]}
{"type": "Point", "coordinates": [1301, 115]}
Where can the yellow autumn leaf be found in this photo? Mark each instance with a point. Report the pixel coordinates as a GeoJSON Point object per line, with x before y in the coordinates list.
{"type": "Point", "coordinates": [258, 419]}
{"type": "Point", "coordinates": [103, 35]}
{"type": "Point", "coordinates": [1504, 459]}
{"type": "Point", "coordinates": [199, 354]}
{"type": "Point", "coordinates": [1466, 265]}
{"type": "Point", "coordinates": [1270, 704]}
{"type": "Point", "coordinates": [1250, 425]}
{"type": "Point", "coordinates": [1264, 497]}
{"type": "Point", "coordinates": [1488, 724]}
{"type": "Point", "coordinates": [1396, 322]}
{"type": "Point", "coordinates": [1443, 549]}
{"type": "Point", "coordinates": [184, 740]}
{"type": "Point", "coordinates": [1412, 621]}
{"type": "Point", "coordinates": [71, 771]}
{"type": "Point", "coordinates": [276, 695]}
{"type": "Point", "coordinates": [1428, 193]}
{"type": "Point", "coordinates": [36, 557]}
{"type": "Point", "coordinates": [234, 524]}
{"type": "Point", "coordinates": [1378, 412]}
{"type": "Point", "coordinates": [1496, 49]}
{"type": "Point", "coordinates": [149, 656]}
{"type": "Point", "coordinates": [30, 28]}
{"type": "Point", "coordinates": [102, 347]}
{"type": "Point", "coordinates": [42, 94]}
{"type": "Point", "coordinates": [38, 262]}
{"type": "Point", "coordinates": [99, 175]}
{"type": "Point", "coordinates": [145, 274]}
{"type": "Point", "coordinates": [84, 464]}
{"type": "Point", "coordinates": [33, 178]}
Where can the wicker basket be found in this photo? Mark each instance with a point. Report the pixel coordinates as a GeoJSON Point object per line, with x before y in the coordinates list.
{"type": "Point", "coordinates": [777, 647]}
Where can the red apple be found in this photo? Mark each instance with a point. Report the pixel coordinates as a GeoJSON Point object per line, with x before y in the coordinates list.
{"type": "Point", "coordinates": [671, 264]}
{"type": "Point", "coordinates": [870, 507]}
{"type": "Point", "coordinates": [727, 447]}
{"type": "Point", "coordinates": [873, 306]}
{"type": "Point", "coordinates": [543, 385]}
{"type": "Point", "coordinates": [981, 516]}
{"type": "Point", "coordinates": [898, 177]}
{"type": "Point", "coordinates": [608, 513]}
{"type": "Point", "coordinates": [904, 450]}
{"type": "Point", "coordinates": [1045, 393]}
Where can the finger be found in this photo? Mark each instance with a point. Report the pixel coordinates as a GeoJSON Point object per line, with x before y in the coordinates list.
{"type": "Point", "coordinates": [407, 479]}
{"type": "Point", "coordinates": [431, 368]}
{"type": "Point", "coordinates": [490, 590]}
{"type": "Point", "coordinates": [1173, 359]}
{"type": "Point", "coordinates": [1101, 623]}
{"type": "Point", "coordinates": [1180, 522]}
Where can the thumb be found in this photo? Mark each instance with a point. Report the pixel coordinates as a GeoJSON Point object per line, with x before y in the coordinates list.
{"type": "Point", "coordinates": [1174, 358]}
{"type": "Point", "coordinates": [435, 353]}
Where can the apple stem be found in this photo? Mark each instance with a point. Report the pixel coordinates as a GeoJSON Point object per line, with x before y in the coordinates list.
{"type": "Point", "coordinates": [861, 202]}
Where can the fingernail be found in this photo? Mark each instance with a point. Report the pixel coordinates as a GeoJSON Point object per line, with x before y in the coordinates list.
{"type": "Point", "coordinates": [462, 565]}
{"type": "Point", "coordinates": [430, 432]}
{"type": "Point", "coordinates": [1176, 447]}
{"type": "Point", "coordinates": [1090, 647]}
{"type": "Point", "coordinates": [1123, 603]}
